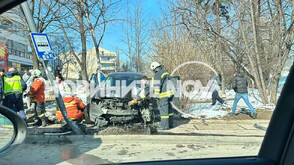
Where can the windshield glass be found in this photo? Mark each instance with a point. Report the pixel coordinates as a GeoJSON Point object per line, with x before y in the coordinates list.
{"type": "Point", "coordinates": [122, 79]}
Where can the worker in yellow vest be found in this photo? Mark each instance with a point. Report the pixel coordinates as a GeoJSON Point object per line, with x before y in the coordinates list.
{"type": "Point", "coordinates": [2, 73]}
{"type": "Point", "coordinates": [160, 85]}
{"type": "Point", "coordinates": [13, 87]}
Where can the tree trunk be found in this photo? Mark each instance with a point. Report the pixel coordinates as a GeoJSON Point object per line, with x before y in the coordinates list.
{"type": "Point", "coordinates": [258, 64]}
{"type": "Point", "coordinates": [273, 89]}
{"type": "Point", "coordinates": [252, 63]}
{"type": "Point", "coordinates": [35, 58]}
{"type": "Point", "coordinates": [80, 14]}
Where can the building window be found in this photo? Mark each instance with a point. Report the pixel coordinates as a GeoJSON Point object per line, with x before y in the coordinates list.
{"type": "Point", "coordinates": [105, 58]}
{"type": "Point", "coordinates": [107, 65]}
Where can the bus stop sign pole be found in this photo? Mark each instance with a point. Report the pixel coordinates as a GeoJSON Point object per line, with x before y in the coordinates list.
{"type": "Point", "coordinates": [72, 125]}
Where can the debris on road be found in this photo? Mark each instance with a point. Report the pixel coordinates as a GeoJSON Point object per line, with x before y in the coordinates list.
{"type": "Point", "coordinates": [260, 127]}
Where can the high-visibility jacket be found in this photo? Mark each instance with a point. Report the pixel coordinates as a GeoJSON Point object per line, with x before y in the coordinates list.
{"type": "Point", "coordinates": [73, 107]}
{"type": "Point", "coordinates": [161, 88]}
{"type": "Point", "coordinates": [12, 85]}
{"type": "Point", "coordinates": [37, 91]}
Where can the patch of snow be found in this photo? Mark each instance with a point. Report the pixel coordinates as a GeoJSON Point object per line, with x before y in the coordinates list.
{"type": "Point", "coordinates": [206, 111]}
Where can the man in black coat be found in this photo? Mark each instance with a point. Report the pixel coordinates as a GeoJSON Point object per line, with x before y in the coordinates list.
{"type": "Point", "coordinates": [240, 86]}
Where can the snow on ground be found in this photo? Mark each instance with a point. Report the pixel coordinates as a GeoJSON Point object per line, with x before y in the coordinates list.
{"type": "Point", "coordinates": [205, 110]}
{"type": "Point", "coordinates": [229, 96]}
{"type": "Point", "coordinates": [206, 114]}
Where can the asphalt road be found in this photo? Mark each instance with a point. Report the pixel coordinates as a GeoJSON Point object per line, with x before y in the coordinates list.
{"type": "Point", "coordinates": [190, 139]}
{"type": "Point", "coordinates": [5, 136]}
{"type": "Point", "coordinates": [128, 148]}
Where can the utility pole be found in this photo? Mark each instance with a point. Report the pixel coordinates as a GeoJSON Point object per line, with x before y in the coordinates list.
{"type": "Point", "coordinates": [72, 125]}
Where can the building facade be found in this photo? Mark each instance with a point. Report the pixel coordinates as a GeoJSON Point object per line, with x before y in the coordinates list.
{"type": "Point", "coordinates": [14, 39]}
{"type": "Point", "coordinates": [108, 61]}
{"type": "Point", "coordinates": [71, 69]}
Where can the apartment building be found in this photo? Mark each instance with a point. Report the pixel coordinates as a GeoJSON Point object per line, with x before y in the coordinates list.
{"type": "Point", "coordinates": [108, 61]}
{"type": "Point", "coordinates": [72, 70]}
{"type": "Point", "coordinates": [107, 58]}
{"type": "Point", "coordinates": [14, 45]}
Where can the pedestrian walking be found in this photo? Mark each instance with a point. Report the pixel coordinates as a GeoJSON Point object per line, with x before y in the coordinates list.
{"type": "Point", "coordinates": [13, 87]}
{"type": "Point", "coordinates": [37, 92]}
{"type": "Point", "coordinates": [74, 107]}
{"type": "Point", "coordinates": [240, 86]}
{"type": "Point", "coordinates": [159, 82]}
{"type": "Point", "coordinates": [28, 79]}
{"type": "Point", "coordinates": [214, 87]}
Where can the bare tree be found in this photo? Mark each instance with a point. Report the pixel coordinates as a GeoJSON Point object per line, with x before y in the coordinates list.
{"type": "Point", "coordinates": [99, 14]}
{"type": "Point", "coordinates": [137, 36]}
{"type": "Point", "coordinates": [256, 36]}
{"type": "Point", "coordinates": [84, 17]}
{"type": "Point", "coordinates": [41, 14]}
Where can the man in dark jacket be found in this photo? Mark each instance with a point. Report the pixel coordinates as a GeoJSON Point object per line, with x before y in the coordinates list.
{"type": "Point", "coordinates": [13, 87]}
{"type": "Point", "coordinates": [160, 82]}
{"type": "Point", "coordinates": [240, 85]}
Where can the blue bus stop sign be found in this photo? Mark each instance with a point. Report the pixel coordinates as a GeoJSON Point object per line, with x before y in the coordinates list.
{"type": "Point", "coordinates": [42, 46]}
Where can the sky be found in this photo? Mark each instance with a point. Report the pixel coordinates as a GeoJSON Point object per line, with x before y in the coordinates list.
{"type": "Point", "coordinates": [115, 34]}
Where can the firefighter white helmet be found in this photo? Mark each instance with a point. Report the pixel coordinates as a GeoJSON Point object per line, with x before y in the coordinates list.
{"type": "Point", "coordinates": [67, 92]}
{"type": "Point", "coordinates": [154, 65]}
{"type": "Point", "coordinates": [36, 73]}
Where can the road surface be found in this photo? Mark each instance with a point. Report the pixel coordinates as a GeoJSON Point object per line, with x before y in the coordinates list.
{"type": "Point", "coordinates": [5, 136]}
{"type": "Point", "coordinates": [190, 139]}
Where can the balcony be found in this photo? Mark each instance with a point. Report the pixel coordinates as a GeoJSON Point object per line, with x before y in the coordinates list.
{"type": "Point", "coordinates": [108, 62]}
{"type": "Point", "coordinates": [112, 68]}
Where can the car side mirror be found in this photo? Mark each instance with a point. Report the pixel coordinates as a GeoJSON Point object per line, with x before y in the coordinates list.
{"type": "Point", "coordinates": [13, 130]}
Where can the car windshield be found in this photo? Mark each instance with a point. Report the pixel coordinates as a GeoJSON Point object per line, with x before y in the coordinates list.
{"type": "Point", "coordinates": [208, 77]}
{"type": "Point", "coordinates": [125, 80]}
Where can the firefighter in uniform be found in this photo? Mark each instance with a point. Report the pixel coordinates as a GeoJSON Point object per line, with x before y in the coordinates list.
{"type": "Point", "coordinates": [37, 92]}
{"type": "Point", "coordinates": [13, 87]}
{"type": "Point", "coordinates": [73, 105]}
{"type": "Point", "coordinates": [160, 85]}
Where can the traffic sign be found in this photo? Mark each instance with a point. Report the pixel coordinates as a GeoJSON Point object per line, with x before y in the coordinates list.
{"type": "Point", "coordinates": [42, 46]}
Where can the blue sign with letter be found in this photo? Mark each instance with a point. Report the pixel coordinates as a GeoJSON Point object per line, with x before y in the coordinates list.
{"type": "Point", "coordinates": [42, 46]}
